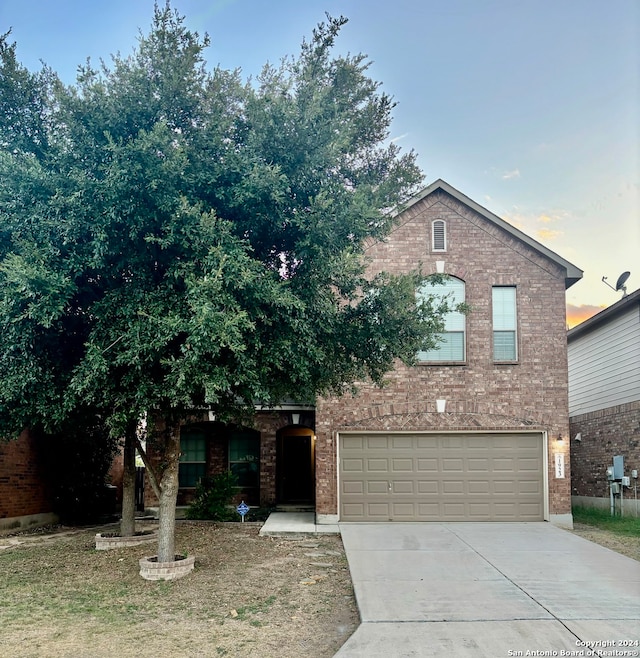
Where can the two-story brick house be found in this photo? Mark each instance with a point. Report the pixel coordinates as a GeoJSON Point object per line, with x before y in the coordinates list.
{"type": "Point", "coordinates": [478, 430]}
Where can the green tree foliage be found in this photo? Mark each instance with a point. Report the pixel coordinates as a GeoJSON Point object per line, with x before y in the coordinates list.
{"type": "Point", "coordinates": [173, 237]}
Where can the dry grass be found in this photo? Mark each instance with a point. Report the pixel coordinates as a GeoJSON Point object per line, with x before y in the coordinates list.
{"type": "Point", "coordinates": [245, 598]}
{"type": "Point", "coordinates": [248, 596]}
{"type": "Point", "coordinates": [628, 545]}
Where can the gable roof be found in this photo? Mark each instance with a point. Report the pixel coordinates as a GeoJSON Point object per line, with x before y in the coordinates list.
{"type": "Point", "coordinates": [606, 315]}
{"type": "Point", "coordinates": [573, 273]}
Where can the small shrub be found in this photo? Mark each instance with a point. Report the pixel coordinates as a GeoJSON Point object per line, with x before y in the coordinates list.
{"type": "Point", "coordinates": [213, 497]}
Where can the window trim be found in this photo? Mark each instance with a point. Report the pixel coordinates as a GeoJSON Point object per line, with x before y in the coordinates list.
{"type": "Point", "coordinates": [433, 236]}
{"type": "Point", "coordinates": [516, 333]}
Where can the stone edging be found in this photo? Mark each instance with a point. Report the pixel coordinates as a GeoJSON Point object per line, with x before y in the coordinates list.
{"type": "Point", "coordinates": [107, 543]}
{"type": "Point", "coordinates": [153, 570]}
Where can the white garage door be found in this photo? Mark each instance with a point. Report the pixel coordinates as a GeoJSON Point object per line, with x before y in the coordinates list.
{"type": "Point", "coordinates": [441, 477]}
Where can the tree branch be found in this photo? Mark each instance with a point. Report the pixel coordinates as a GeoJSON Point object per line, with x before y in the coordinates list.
{"type": "Point", "coordinates": [153, 476]}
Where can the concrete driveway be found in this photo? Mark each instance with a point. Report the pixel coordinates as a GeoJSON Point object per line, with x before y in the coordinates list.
{"type": "Point", "coordinates": [493, 589]}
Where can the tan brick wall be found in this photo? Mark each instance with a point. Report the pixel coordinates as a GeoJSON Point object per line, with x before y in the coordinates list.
{"type": "Point", "coordinates": [23, 487]}
{"type": "Point", "coordinates": [480, 395]}
{"type": "Point", "coordinates": [605, 433]}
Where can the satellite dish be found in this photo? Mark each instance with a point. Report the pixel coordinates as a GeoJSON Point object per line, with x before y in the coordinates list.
{"type": "Point", "coordinates": [622, 279]}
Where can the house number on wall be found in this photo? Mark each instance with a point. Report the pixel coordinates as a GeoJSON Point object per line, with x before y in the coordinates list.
{"type": "Point", "coordinates": [559, 465]}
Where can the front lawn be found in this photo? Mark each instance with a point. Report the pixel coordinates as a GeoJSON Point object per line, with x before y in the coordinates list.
{"type": "Point", "coordinates": [248, 596]}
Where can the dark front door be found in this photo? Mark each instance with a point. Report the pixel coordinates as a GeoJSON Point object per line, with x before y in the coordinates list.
{"type": "Point", "coordinates": [295, 469]}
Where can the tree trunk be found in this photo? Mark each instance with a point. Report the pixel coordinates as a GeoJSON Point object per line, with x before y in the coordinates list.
{"type": "Point", "coordinates": [169, 492]}
{"type": "Point", "coordinates": [128, 521]}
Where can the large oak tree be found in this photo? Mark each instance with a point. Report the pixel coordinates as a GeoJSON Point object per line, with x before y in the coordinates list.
{"type": "Point", "coordinates": [175, 238]}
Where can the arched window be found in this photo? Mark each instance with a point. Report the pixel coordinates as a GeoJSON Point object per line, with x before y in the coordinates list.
{"type": "Point", "coordinates": [438, 235]}
{"type": "Point", "coordinates": [451, 343]}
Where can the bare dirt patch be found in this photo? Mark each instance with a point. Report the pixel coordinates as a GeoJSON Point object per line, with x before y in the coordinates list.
{"type": "Point", "coordinates": [248, 596]}
{"type": "Point", "coordinates": [625, 544]}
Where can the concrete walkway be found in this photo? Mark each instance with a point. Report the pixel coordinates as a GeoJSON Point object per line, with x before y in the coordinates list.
{"type": "Point", "coordinates": [295, 525]}
{"type": "Point", "coordinates": [488, 590]}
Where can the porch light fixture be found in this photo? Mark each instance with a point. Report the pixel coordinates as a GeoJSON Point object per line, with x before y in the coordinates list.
{"type": "Point", "coordinates": [295, 419]}
{"type": "Point", "coordinates": [560, 439]}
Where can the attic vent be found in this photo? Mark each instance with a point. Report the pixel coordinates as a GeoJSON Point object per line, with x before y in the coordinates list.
{"type": "Point", "coordinates": [439, 235]}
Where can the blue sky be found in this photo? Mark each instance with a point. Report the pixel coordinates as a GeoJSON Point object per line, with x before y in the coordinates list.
{"type": "Point", "coordinates": [529, 107]}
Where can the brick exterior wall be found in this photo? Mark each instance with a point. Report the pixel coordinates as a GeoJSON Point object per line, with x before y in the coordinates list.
{"type": "Point", "coordinates": [115, 476]}
{"type": "Point", "coordinates": [23, 486]}
{"type": "Point", "coordinates": [481, 395]}
{"type": "Point", "coordinates": [605, 433]}
{"type": "Point", "coordinates": [267, 424]}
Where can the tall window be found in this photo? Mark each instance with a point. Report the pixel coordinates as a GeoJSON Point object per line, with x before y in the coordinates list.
{"type": "Point", "coordinates": [451, 346]}
{"type": "Point", "coordinates": [193, 457]}
{"type": "Point", "coordinates": [439, 235]}
{"type": "Point", "coordinates": [505, 344]}
{"type": "Point", "coordinates": [244, 462]}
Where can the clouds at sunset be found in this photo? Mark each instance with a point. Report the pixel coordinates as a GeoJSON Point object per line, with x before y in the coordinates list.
{"type": "Point", "coordinates": [545, 226]}
{"type": "Point", "coordinates": [578, 314]}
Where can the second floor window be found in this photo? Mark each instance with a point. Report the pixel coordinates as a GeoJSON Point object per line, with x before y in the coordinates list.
{"type": "Point", "coordinates": [451, 346]}
{"type": "Point", "coordinates": [505, 344]}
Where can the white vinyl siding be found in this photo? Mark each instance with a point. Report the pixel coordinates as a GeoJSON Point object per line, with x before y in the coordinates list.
{"type": "Point", "coordinates": [604, 365]}
{"type": "Point", "coordinates": [439, 235]}
{"type": "Point", "coordinates": [505, 322]}
{"type": "Point", "coordinates": [451, 345]}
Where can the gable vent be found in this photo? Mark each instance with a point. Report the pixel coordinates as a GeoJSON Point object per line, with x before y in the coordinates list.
{"type": "Point", "coordinates": [439, 235]}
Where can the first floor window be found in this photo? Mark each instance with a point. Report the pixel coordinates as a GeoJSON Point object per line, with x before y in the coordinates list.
{"type": "Point", "coordinates": [505, 345]}
{"type": "Point", "coordinates": [244, 460]}
{"type": "Point", "coordinates": [193, 457]}
{"type": "Point", "coordinates": [451, 343]}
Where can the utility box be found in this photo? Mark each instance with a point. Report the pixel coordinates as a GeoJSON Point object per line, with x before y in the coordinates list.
{"type": "Point", "coordinates": [626, 481]}
{"type": "Point", "coordinates": [618, 467]}
{"type": "Point", "coordinates": [615, 488]}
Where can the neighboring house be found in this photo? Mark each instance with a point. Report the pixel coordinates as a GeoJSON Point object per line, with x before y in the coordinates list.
{"type": "Point", "coordinates": [604, 400]}
{"type": "Point", "coordinates": [29, 479]}
{"type": "Point", "coordinates": [477, 431]}
{"type": "Point", "coordinates": [25, 492]}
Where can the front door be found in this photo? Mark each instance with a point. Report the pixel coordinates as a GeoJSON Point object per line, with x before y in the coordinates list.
{"type": "Point", "coordinates": [295, 465]}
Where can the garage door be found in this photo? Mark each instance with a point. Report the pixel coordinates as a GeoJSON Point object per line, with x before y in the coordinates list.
{"type": "Point", "coordinates": [441, 477]}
